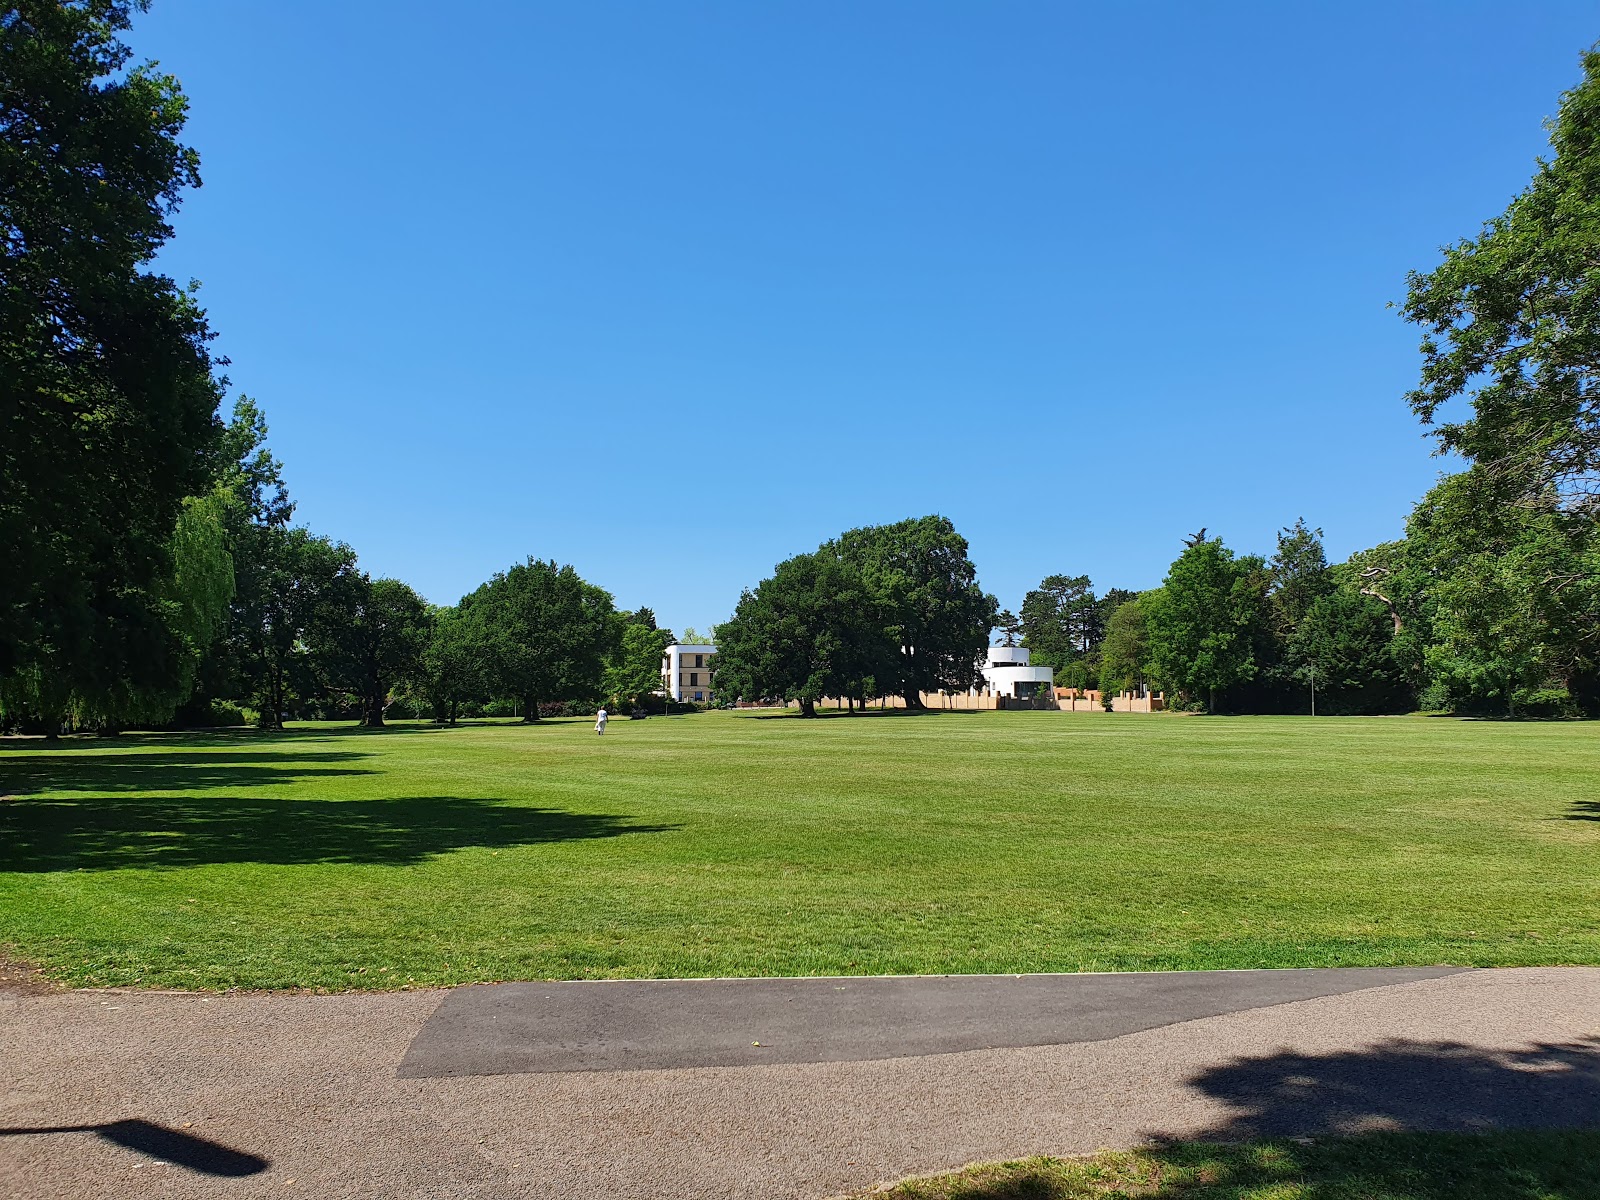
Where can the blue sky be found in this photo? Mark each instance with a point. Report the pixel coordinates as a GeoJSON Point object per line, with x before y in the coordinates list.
{"type": "Point", "coordinates": [674, 291]}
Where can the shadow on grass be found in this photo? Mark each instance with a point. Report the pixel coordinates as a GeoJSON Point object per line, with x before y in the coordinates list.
{"type": "Point", "coordinates": [197, 1154]}
{"type": "Point", "coordinates": [1585, 810]}
{"type": "Point", "coordinates": [107, 833]}
{"type": "Point", "coordinates": [1403, 1121]}
{"type": "Point", "coordinates": [180, 771]}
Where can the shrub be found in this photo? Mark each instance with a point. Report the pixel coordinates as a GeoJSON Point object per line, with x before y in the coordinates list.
{"type": "Point", "coordinates": [1545, 703]}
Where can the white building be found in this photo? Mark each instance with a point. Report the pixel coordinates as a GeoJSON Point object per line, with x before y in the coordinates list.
{"type": "Point", "coordinates": [686, 672]}
{"type": "Point", "coordinates": [1007, 673]}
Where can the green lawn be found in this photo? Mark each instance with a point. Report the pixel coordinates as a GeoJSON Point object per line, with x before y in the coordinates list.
{"type": "Point", "coordinates": [725, 844]}
{"type": "Point", "coordinates": [1389, 1166]}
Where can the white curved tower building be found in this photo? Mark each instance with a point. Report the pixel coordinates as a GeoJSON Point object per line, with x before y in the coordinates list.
{"type": "Point", "coordinates": [1008, 673]}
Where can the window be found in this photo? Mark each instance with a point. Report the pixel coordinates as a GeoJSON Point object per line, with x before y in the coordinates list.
{"type": "Point", "coordinates": [698, 696]}
{"type": "Point", "coordinates": [694, 678]}
{"type": "Point", "coordinates": [699, 660]}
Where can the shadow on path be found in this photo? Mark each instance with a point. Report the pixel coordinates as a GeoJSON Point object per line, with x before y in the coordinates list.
{"type": "Point", "coordinates": [105, 833]}
{"type": "Point", "coordinates": [1406, 1085]}
{"type": "Point", "coordinates": [1403, 1121]}
{"type": "Point", "coordinates": [170, 1145]}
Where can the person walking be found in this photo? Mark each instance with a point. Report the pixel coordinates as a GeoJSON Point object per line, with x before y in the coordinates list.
{"type": "Point", "coordinates": [600, 723]}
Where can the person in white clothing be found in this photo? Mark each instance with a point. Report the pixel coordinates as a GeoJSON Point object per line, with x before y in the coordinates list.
{"type": "Point", "coordinates": [600, 722]}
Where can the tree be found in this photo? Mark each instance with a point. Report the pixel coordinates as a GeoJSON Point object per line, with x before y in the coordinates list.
{"type": "Point", "coordinates": [1300, 575]}
{"type": "Point", "coordinates": [1008, 624]}
{"type": "Point", "coordinates": [1344, 647]}
{"type": "Point", "coordinates": [1512, 325]}
{"type": "Point", "coordinates": [300, 590]}
{"type": "Point", "coordinates": [1125, 652]}
{"type": "Point", "coordinates": [372, 641]}
{"type": "Point", "coordinates": [1061, 620]}
{"type": "Point", "coordinates": [1202, 620]}
{"type": "Point", "coordinates": [545, 633]}
{"type": "Point", "coordinates": [450, 669]}
{"type": "Point", "coordinates": [924, 596]}
{"type": "Point", "coordinates": [1515, 591]}
{"type": "Point", "coordinates": [635, 673]}
{"type": "Point", "coordinates": [107, 398]}
{"type": "Point", "coordinates": [805, 633]}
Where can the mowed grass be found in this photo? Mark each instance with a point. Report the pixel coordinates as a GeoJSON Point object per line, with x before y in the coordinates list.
{"type": "Point", "coordinates": [737, 844]}
{"type": "Point", "coordinates": [1541, 1165]}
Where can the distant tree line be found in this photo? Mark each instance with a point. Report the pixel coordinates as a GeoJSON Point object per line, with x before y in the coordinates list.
{"type": "Point", "coordinates": [152, 573]}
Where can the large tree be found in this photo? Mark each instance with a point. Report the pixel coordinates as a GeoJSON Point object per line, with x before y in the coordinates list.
{"type": "Point", "coordinates": [807, 632]}
{"type": "Point", "coordinates": [375, 642]}
{"type": "Point", "coordinates": [1125, 650]}
{"type": "Point", "coordinates": [300, 594]}
{"type": "Point", "coordinates": [1512, 327]}
{"type": "Point", "coordinates": [1343, 651]}
{"type": "Point", "coordinates": [1512, 320]}
{"type": "Point", "coordinates": [924, 596]}
{"type": "Point", "coordinates": [1061, 620]}
{"type": "Point", "coordinates": [1204, 619]}
{"type": "Point", "coordinates": [545, 634]}
{"type": "Point", "coordinates": [107, 398]}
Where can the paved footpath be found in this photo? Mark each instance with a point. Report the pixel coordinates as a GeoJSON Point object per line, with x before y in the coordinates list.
{"type": "Point", "coordinates": [661, 1090]}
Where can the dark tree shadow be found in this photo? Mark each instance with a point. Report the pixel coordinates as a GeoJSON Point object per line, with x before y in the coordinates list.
{"type": "Point", "coordinates": [1403, 1121]}
{"type": "Point", "coordinates": [30, 774]}
{"type": "Point", "coordinates": [1584, 810]}
{"type": "Point", "coordinates": [170, 1145]}
{"type": "Point", "coordinates": [107, 833]}
{"type": "Point", "coordinates": [1404, 1085]}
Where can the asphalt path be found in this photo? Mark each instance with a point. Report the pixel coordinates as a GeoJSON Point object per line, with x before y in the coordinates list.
{"type": "Point", "coordinates": [632, 1025]}
{"type": "Point", "coordinates": [119, 1094]}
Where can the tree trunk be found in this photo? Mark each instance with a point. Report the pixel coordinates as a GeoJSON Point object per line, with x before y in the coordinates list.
{"type": "Point", "coordinates": [914, 701]}
{"type": "Point", "coordinates": [808, 708]}
{"type": "Point", "coordinates": [372, 711]}
{"type": "Point", "coordinates": [1211, 702]}
{"type": "Point", "coordinates": [530, 711]}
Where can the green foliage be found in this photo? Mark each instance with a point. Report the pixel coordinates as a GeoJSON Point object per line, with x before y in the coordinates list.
{"type": "Point", "coordinates": [373, 639]}
{"type": "Point", "coordinates": [807, 632]}
{"type": "Point", "coordinates": [1512, 321]}
{"type": "Point", "coordinates": [107, 398]}
{"type": "Point", "coordinates": [1300, 575]}
{"type": "Point", "coordinates": [300, 593]}
{"type": "Point", "coordinates": [1344, 646]}
{"type": "Point", "coordinates": [925, 597]}
{"type": "Point", "coordinates": [1204, 619]}
{"type": "Point", "coordinates": [1061, 620]}
{"type": "Point", "coordinates": [543, 633]}
{"type": "Point", "coordinates": [1125, 652]}
{"type": "Point", "coordinates": [635, 672]}
{"type": "Point", "coordinates": [1515, 590]}
{"type": "Point", "coordinates": [452, 669]}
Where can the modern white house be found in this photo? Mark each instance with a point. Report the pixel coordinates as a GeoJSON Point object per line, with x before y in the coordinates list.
{"type": "Point", "coordinates": [1007, 672]}
{"type": "Point", "coordinates": [686, 672]}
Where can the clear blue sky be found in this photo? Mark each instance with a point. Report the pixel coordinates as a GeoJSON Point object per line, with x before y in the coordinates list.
{"type": "Point", "coordinates": [674, 291]}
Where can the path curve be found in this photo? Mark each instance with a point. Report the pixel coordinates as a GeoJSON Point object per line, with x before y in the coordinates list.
{"type": "Point", "coordinates": [136, 1093]}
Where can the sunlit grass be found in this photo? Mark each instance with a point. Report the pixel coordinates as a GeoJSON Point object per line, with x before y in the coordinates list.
{"type": "Point", "coordinates": [724, 844]}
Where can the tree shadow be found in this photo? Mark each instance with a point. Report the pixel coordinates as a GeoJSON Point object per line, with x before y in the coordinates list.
{"type": "Point", "coordinates": [1406, 1085]}
{"type": "Point", "coordinates": [30, 774]}
{"type": "Point", "coordinates": [1405, 1120]}
{"type": "Point", "coordinates": [108, 833]}
{"type": "Point", "coordinates": [198, 1154]}
{"type": "Point", "coordinates": [1584, 810]}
